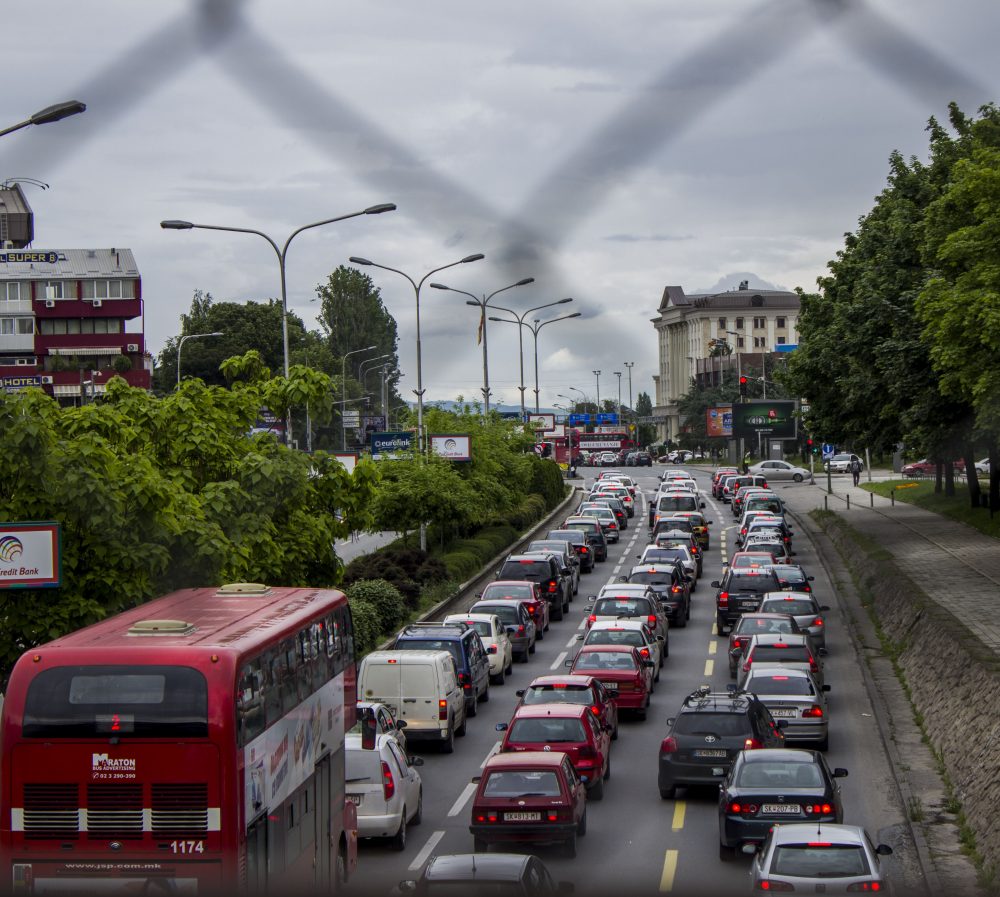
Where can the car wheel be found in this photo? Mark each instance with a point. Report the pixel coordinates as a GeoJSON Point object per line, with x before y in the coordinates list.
{"type": "Point", "coordinates": [797, 478]}
{"type": "Point", "coordinates": [500, 677]}
{"type": "Point", "coordinates": [398, 841]}
{"type": "Point", "coordinates": [732, 672]}
{"type": "Point", "coordinates": [485, 696]}
{"type": "Point", "coordinates": [726, 854]}
{"type": "Point", "coordinates": [472, 708]}
{"type": "Point", "coordinates": [566, 606]}
{"type": "Point", "coordinates": [683, 617]}
{"type": "Point", "coordinates": [510, 665]}
{"type": "Point", "coordinates": [448, 745]}
{"type": "Point", "coordinates": [614, 735]}
{"type": "Point", "coordinates": [641, 714]}
{"type": "Point", "coordinates": [668, 793]}
{"type": "Point", "coordinates": [533, 645]}
{"type": "Point", "coordinates": [524, 655]}
{"type": "Point", "coordinates": [480, 846]}
{"type": "Point", "coordinates": [418, 817]}
{"type": "Point", "coordinates": [720, 626]}
{"type": "Point", "coordinates": [340, 869]}
{"type": "Point", "coordinates": [596, 791]}
{"type": "Point", "coordinates": [570, 847]}
{"type": "Point", "coordinates": [666, 653]}
{"type": "Point", "coordinates": [607, 772]}
{"type": "Point", "coordinates": [581, 826]}
{"type": "Point", "coordinates": [460, 731]}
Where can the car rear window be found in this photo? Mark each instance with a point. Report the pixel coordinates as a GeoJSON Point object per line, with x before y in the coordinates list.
{"type": "Point", "coordinates": [363, 767]}
{"type": "Point", "coordinates": [583, 527]}
{"type": "Point", "coordinates": [452, 646]}
{"type": "Point", "coordinates": [126, 700]}
{"type": "Point", "coordinates": [794, 606]}
{"type": "Point", "coordinates": [776, 684]}
{"type": "Point", "coordinates": [509, 591]}
{"type": "Point", "coordinates": [763, 504]}
{"type": "Point", "coordinates": [814, 861]}
{"type": "Point", "coordinates": [752, 582]}
{"type": "Point", "coordinates": [677, 503]}
{"type": "Point", "coordinates": [504, 783]}
{"type": "Point", "coordinates": [748, 625]}
{"type": "Point", "coordinates": [709, 723]}
{"type": "Point", "coordinates": [621, 607]}
{"type": "Point", "coordinates": [574, 538]}
{"type": "Point", "coordinates": [630, 637]}
{"type": "Point", "coordinates": [558, 694]}
{"type": "Point", "coordinates": [779, 775]}
{"type": "Point", "coordinates": [507, 613]}
{"type": "Point", "coordinates": [665, 554]}
{"type": "Point", "coordinates": [525, 569]}
{"type": "Point", "coordinates": [605, 660]}
{"type": "Point", "coordinates": [652, 579]}
{"type": "Point", "coordinates": [482, 627]}
{"type": "Point", "coordinates": [550, 730]}
{"type": "Point", "coordinates": [777, 654]}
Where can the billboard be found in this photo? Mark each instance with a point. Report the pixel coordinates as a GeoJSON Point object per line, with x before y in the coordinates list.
{"type": "Point", "coordinates": [542, 422]}
{"type": "Point", "coordinates": [719, 420]}
{"type": "Point", "coordinates": [452, 446]}
{"type": "Point", "coordinates": [30, 556]}
{"type": "Point", "coordinates": [348, 459]}
{"type": "Point", "coordinates": [774, 419]}
{"type": "Point", "coordinates": [390, 445]}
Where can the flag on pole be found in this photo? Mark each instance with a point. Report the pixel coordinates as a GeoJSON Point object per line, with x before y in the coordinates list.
{"type": "Point", "coordinates": [482, 325]}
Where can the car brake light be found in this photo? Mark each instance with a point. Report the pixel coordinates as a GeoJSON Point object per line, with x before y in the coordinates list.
{"type": "Point", "coordinates": [584, 549]}
{"type": "Point", "coordinates": [819, 810]}
{"type": "Point", "coordinates": [595, 709]}
{"type": "Point", "coordinates": [723, 599]}
{"type": "Point", "coordinates": [813, 666]}
{"type": "Point", "coordinates": [735, 807]}
{"type": "Point", "coordinates": [442, 709]}
{"type": "Point", "coordinates": [520, 629]}
{"type": "Point", "coordinates": [591, 619]}
{"type": "Point", "coordinates": [752, 744]}
{"type": "Point", "coordinates": [766, 884]}
{"type": "Point", "coordinates": [864, 886]}
{"type": "Point", "coordinates": [644, 652]}
{"type": "Point", "coordinates": [553, 585]}
{"type": "Point", "coordinates": [814, 712]}
{"type": "Point", "coordinates": [817, 622]}
{"type": "Point", "coordinates": [464, 680]}
{"type": "Point", "coordinates": [388, 784]}
{"type": "Point", "coordinates": [675, 589]}
{"type": "Point", "coordinates": [651, 619]}
{"type": "Point", "coordinates": [668, 745]}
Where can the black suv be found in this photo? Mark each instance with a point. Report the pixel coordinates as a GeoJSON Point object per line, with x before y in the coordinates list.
{"type": "Point", "coordinates": [643, 459]}
{"type": "Point", "coordinates": [554, 580]}
{"type": "Point", "coordinates": [709, 731]}
{"type": "Point", "coordinates": [580, 545]}
{"type": "Point", "coordinates": [462, 642]}
{"type": "Point", "coordinates": [740, 592]}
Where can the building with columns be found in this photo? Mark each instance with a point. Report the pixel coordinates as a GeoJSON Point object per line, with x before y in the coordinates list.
{"type": "Point", "coordinates": [755, 323]}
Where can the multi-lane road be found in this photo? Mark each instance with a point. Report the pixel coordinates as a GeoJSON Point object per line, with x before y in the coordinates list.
{"type": "Point", "coordinates": [636, 842]}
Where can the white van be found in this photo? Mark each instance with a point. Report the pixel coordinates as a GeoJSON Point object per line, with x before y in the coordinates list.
{"type": "Point", "coordinates": [420, 687]}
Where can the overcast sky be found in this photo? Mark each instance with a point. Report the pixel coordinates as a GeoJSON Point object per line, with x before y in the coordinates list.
{"type": "Point", "coordinates": [606, 149]}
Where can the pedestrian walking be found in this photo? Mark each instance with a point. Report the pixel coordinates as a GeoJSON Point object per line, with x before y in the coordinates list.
{"type": "Point", "coordinates": [856, 469]}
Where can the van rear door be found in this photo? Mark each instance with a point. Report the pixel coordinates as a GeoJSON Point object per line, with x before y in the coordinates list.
{"type": "Point", "coordinates": [419, 704]}
{"type": "Point", "coordinates": [380, 681]}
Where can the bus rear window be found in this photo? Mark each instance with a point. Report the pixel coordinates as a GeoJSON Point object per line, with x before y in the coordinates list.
{"type": "Point", "coordinates": [117, 701]}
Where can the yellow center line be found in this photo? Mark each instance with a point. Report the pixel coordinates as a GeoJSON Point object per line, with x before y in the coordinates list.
{"type": "Point", "coordinates": [669, 870]}
{"type": "Point", "coordinates": [712, 647]}
{"type": "Point", "coordinates": [679, 808]}
{"type": "Point", "coordinates": [715, 631]}
{"type": "Point", "coordinates": [709, 667]}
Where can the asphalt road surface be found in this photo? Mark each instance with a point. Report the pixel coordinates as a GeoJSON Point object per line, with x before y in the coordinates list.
{"type": "Point", "coordinates": [637, 843]}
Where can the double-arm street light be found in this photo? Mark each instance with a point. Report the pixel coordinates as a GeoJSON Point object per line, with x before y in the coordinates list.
{"type": "Point", "coordinates": [482, 305]}
{"type": "Point", "coordinates": [174, 224]}
{"type": "Point", "coordinates": [597, 374]}
{"type": "Point", "coordinates": [519, 319]}
{"type": "Point", "coordinates": [535, 326]}
{"type": "Point", "coordinates": [343, 387]}
{"type": "Point", "coordinates": [49, 114]}
{"type": "Point", "coordinates": [180, 345]}
{"type": "Point", "coordinates": [618, 374]}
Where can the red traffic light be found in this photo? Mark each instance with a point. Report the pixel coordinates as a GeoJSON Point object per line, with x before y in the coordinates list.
{"type": "Point", "coordinates": [743, 381]}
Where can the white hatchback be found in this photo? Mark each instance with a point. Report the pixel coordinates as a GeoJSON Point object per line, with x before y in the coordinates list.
{"type": "Point", "coordinates": [496, 641]}
{"type": "Point", "coordinates": [385, 787]}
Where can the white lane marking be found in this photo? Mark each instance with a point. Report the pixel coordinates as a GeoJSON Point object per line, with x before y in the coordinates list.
{"type": "Point", "coordinates": [583, 623]}
{"type": "Point", "coordinates": [493, 750]}
{"type": "Point", "coordinates": [558, 662]}
{"type": "Point", "coordinates": [572, 641]}
{"type": "Point", "coordinates": [425, 851]}
{"type": "Point", "coordinates": [463, 799]}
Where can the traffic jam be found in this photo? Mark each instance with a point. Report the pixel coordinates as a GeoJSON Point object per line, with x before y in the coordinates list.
{"type": "Point", "coordinates": [671, 630]}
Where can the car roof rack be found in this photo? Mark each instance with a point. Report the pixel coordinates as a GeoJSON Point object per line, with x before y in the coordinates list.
{"type": "Point", "coordinates": [416, 627]}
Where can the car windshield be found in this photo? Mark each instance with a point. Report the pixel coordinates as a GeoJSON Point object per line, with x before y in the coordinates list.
{"type": "Point", "coordinates": [605, 660]}
{"type": "Point", "coordinates": [781, 775]}
{"type": "Point", "coordinates": [509, 590]}
{"type": "Point", "coordinates": [547, 730]}
{"type": "Point", "coordinates": [522, 783]}
{"type": "Point", "coordinates": [558, 694]}
{"type": "Point", "coordinates": [793, 606]}
{"type": "Point", "coordinates": [776, 684]}
{"type": "Point", "coordinates": [709, 723]}
{"type": "Point", "coordinates": [618, 607]}
{"type": "Point", "coordinates": [820, 860]}
{"type": "Point", "coordinates": [616, 637]}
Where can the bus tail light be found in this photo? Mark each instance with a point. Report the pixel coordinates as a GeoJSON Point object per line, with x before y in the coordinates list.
{"type": "Point", "coordinates": [388, 783]}
{"type": "Point", "coordinates": [442, 709]}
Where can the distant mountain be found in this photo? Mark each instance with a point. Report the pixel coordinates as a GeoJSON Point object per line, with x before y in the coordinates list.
{"type": "Point", "coordinates": [733, 281]}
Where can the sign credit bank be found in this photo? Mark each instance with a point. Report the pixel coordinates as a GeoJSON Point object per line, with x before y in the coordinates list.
{"type": "Point", "coordinates": [30, 556]}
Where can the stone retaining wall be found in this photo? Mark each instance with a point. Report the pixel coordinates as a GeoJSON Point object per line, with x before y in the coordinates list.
{"type": "Point", "coordinates": [952, 678]}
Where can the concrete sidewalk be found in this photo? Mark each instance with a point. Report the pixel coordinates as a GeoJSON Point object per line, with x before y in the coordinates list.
{"type": "Point", "coordinates": [365, 543]}
{"type": "Point", "coordinates": [953, 564]}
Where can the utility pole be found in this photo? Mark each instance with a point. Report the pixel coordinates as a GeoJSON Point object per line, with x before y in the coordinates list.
{"type": "Point", "coordinates": [597, 374]}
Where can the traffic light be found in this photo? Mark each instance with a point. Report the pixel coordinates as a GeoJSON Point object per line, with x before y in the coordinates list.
{"type": "Point", "coordinates": [811, 447]}
{"type": "Point", "coordinates": [743, 387]}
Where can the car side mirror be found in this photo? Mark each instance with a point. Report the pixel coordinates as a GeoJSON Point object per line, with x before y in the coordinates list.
{"type": "Point", "coordinates": [579, 638]}
{"type": "Point", "coordinates": [415, 761]}
{"type": "Point", "coordinates": [715, 584]}
{"type": "Point", "coordinates": [401, 724]}
{"type": "Point", "coordinates": [824, 607]}
{"type": "Point", "coordinates": [648, 663]}
{"type": "Point", "coordinates": [622, 579]}
{"type": "Point", "coordinates": [564, 570]}
{"type": "Point", "coordinates": [502, 727]}
{"type": "Point", "coordinates": [405, 887]}
{"type": "Point", "coordinates": [588, 608]}
{"type": "Point", "coordinates": [497, 574]}
{"type": "Point", "coordinates": [811, 578]}
{"type": "Point", "coordinates": [701, 504]}
{"type": "Point", "coordinates": [709, 522]}
{"type": "Point", "coordinates": [584, 779]}
{"type": "Point", "coordinates": [511, 629]}
{"type": "Point", "coordinates": [520, 692]}
{"type": "Point", "coordinates": [840, 773]}
{"type": "Point", "coordinates": [883, 850]}
{"type": "Point", "coordinates": [670, 720]}
{"type": "Point", "coordinates": [568, 663]}
{"type": "Point", "coordinates": [826, 688]}
{"type": "Point", "coordinates": [750, 848]}
{"type": "Point", "coordinates": [492, 649]}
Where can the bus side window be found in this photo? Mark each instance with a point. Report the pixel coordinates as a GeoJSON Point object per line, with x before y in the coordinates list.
{"type": "Point", "coordinates": [249, 703]}
{"type": "Point", "coordinates": [272, 685]}
{"type": "Point", "coordinates": [287, 652]}
{"type": "Point", "coordinates": [347, 637]}
{"type": "Point", "coordinates": [305, 662]}
{"type": "Point", "coordinates": [334, 644]}
{"type": "Point", "coordinates": [320, 666]}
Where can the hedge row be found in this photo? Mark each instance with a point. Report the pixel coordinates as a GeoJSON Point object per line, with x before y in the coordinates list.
{"type": "Point", "coordinates": [410, 570]}
{"type": "Point", "coordinates": [377, 607]}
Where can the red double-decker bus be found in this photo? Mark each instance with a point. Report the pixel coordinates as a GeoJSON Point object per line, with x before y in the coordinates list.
{"type": "Point", "coordinates": [192, 745]}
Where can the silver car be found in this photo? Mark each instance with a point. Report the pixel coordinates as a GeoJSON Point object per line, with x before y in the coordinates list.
{"type": "Point", "coordinates": [780, 470]}
{"type": "Point", "coordinates": [842, 463]}
{"type": "Point", "coordinates": [844, 860]}
{"type": "Point", "coordinates": [796, 697]}
{"type": "Point", "coordinates": [805, 609]}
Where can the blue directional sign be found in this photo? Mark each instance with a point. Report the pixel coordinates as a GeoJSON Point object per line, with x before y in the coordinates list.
{"type": "Point", "coordinates": [605, 419]}
{"type": "Point", "coordinates": [828, 451]}
{"type": "Point", "coordinates": [575, 420]}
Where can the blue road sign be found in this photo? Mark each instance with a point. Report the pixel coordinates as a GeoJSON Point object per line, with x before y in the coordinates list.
{"type": "Point", "coordinates": [575, 420]}
{"type": "Point", "coordinates": [605, 419]}
{"type": "Point", "coordinates": [828, 451]}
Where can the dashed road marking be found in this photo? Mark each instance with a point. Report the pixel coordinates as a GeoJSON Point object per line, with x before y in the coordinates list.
{"type": "Point", "coordinates": [712, 648]}
{"type": "Point", "coordinates": [669, 871]}
{"type": "Point", "coordinates": [558, 662]}
{"type": "Point", "coordinates": [678, 821]}
{"type": "Point", "coordinates": [493, 750]}
{"type": "Point", "coordinates": [425, 851]}
{"type": "Point", "coordinates": [463, 799]}
{"type": "Point", "coordinates": [709, 667]}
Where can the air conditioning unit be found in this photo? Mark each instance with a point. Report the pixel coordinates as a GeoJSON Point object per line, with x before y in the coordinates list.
{"type": "Point", "coordinates": [21, 362]}
{"type": "Point", "coordinates": [47, 380]}
{"type": "Point", "coordinates": [98, 303]}
{"type": "Point", "coordinates": [50, 303]}
{"type": "Point", "coordinates": [132, 347]}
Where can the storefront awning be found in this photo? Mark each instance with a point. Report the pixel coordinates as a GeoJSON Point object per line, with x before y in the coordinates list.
{"type": "Point", "coordinates": [91, 350]}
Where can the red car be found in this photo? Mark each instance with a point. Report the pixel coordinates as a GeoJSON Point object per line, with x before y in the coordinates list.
{"type": "Point", "coordinates": [927, 468]}
{"type": "Point", "coordinates": [622, 671]}
{"type": "Point", "coordinates": [567, 689]}
{"type": "Point", "coordinates": [523, 590]}
{"type": "Point", "coordinates": [531, 797]}
{"type": "Point", "coordinates": [573, 729]}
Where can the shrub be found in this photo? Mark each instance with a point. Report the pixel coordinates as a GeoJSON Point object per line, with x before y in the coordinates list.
{"type": "Point", "coordinates": [366, 625]}
{"type": "Point", "coordinates": [462, 564]}
{"type": "Point", "coordinates": [384, 597]}
{"type": "Point", "coordinates": [547, 481]}
{"type": "Point", "coordinates": [389, 565]}
{"type": "Point", "coordinates": [531, 508]}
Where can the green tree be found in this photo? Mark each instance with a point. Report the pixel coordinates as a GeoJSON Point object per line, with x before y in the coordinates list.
{"type": "Point", "coordinates": [645, 433]}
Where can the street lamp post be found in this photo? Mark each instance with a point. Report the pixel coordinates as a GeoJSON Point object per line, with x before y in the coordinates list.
{"type": "Point", "coordinates": [631, 407]}
{"type": "Point", "coordinates": [519, 319]}
{"type": "Point", "coordinates": [180, 345]}
{"type": "Point", "coordinates": [420, 382]}
{"type": "Point", "coordinates": [535, 327]}
{"type": "Point", "coordinates": [282, 254]}
{"type": "Point", "coordinates": [343, 386]}
{"type": "Point", "coordinates": [482, 305]}
{"type": "Point", "coordinates": [49, 114]}
{"type": "Point", "coordinates": [618, 374]}
{"type": "Point", "coordinates": [597, 374]}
